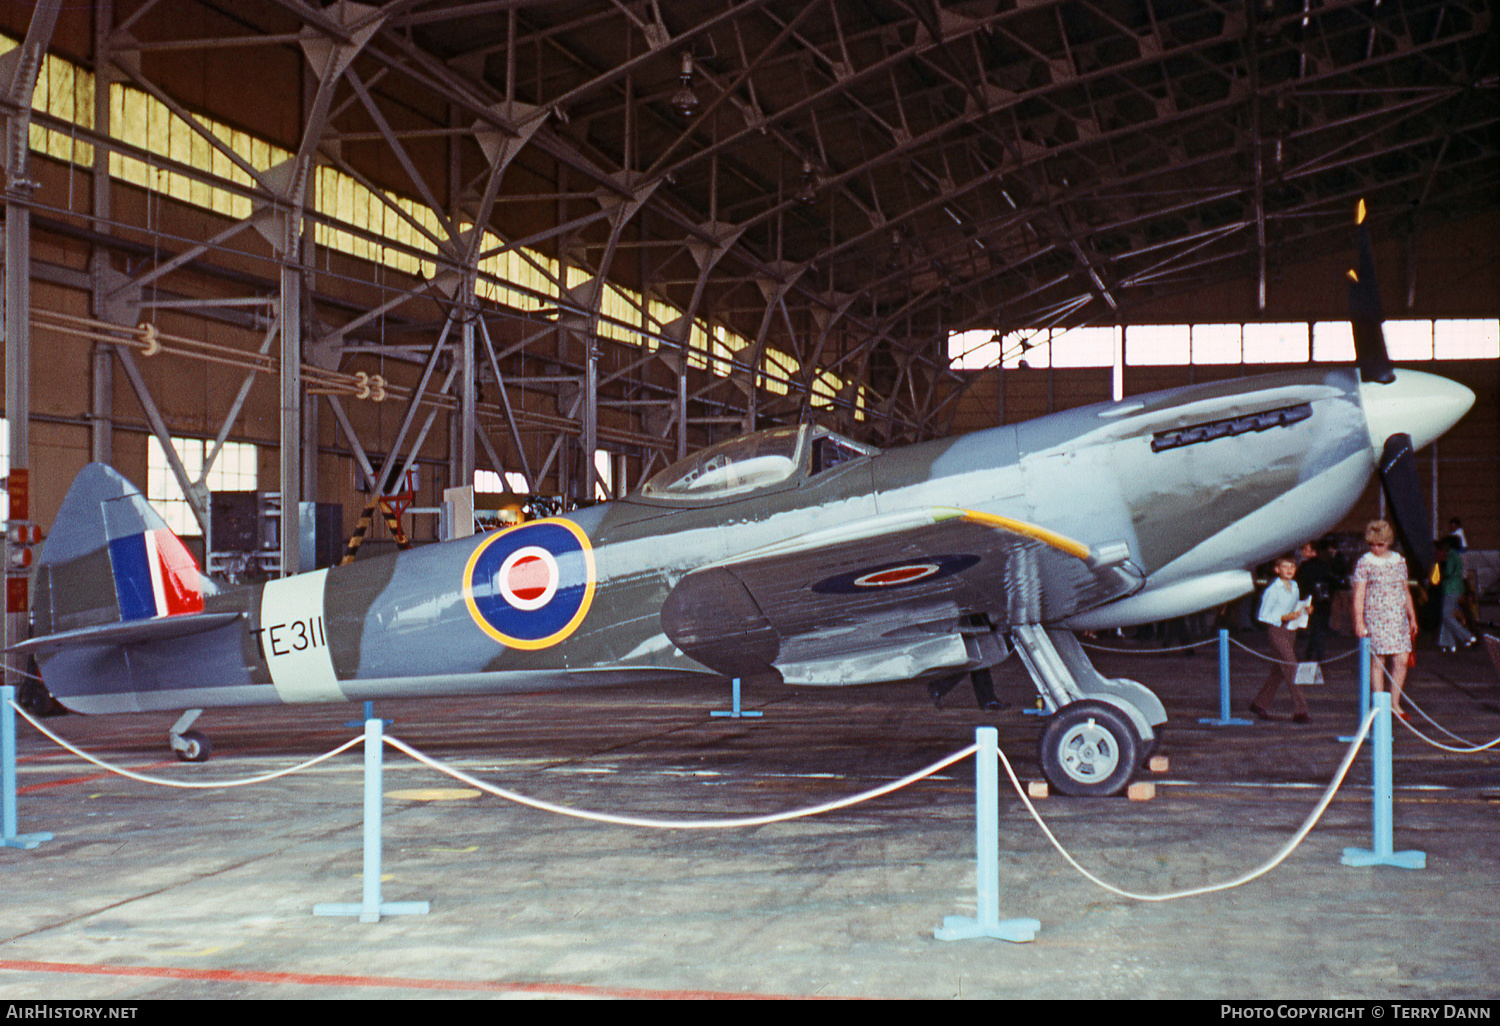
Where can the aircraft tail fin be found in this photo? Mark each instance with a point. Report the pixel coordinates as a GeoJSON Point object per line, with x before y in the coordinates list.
{"type": "Point", "coordinates": [111, 558]}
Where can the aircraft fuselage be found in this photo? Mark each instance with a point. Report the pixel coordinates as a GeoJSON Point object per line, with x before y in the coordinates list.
{"type": "Point", "coordinates": [1190, 488]}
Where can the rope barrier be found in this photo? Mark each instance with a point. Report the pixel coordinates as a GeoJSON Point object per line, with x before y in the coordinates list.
{"type": "Point", "coordinates": [751, 821]}
{"type": "Point", "coordinates": [1273, 659]}
{"type": "Point", "coordinates": [748, 821]}
{"type": "Point", "coordinates": [1473, 746]}
{"type": "Point", "coordinates": [1200, 644]}
{"type": "Point", "coordinates": [520, 799]}
{"type": "Point", "coordinates": [189, 785]}
{"type": "Point", "coordinates": [1149, 651]}
{"type": "Point", "coordinates": [668, 824]}
{"type": "Point", "coordinates": [1280, 857]}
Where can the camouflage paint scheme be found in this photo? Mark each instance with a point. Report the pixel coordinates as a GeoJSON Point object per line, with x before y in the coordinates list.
{"type": "Point", "coordinates": [905, 564]}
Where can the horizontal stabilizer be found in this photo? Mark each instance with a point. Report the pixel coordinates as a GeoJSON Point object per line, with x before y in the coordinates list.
{"type": "Point", "coordinates": [130, 632]}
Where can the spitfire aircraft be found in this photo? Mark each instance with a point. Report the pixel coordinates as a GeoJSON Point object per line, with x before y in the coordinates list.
{"type": "Point", "coordinates": [791, 555]}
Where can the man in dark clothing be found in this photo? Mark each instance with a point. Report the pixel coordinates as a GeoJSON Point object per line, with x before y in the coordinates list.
{"type": "Point", "coordinates": [984, 689]}
{"type": "Point", "coordinates": [1316, 579]}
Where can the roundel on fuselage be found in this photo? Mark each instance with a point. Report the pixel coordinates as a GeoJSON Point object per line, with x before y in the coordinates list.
{"type": "Point", "coordinates": [530, 586]}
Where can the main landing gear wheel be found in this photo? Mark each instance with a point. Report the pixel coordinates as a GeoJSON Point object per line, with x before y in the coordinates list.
{"type": "Point", "coordinates": [193, 747]}
{"type": "Point", "coordinates": [1089, 749]}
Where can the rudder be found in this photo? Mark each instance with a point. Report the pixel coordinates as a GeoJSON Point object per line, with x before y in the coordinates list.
{"type": "Point", "coordinates": [110, 557]}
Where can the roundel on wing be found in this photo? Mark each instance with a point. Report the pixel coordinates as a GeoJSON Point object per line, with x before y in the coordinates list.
{"type": "Point", "coordinates": [530, 586]}
{"type": "Point", "coordinates": [894, 575]}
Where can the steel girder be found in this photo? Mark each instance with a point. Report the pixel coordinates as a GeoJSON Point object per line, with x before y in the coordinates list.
{"type": "Point", "coordinates": [859, 176]}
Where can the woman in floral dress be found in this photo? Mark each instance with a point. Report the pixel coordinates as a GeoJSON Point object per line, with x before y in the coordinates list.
{"type": "Point", "coordinates": [1383, 610]}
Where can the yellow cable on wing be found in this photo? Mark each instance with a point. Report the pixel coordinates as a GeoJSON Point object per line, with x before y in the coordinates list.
{"type": "Point", "coordinates": [1063, 544]}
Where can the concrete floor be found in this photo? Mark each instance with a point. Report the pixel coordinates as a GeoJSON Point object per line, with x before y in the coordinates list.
{"type": "Point", "coordinates": [150, 893]}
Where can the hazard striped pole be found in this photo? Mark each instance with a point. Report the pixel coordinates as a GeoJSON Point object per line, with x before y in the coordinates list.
{"type": "Point", "coordinates": [358, 537]}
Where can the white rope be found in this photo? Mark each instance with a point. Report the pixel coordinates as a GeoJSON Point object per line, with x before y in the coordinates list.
{"type": "Point", "coordinates": [1149, 651]}
{"type": "Point", "coordinates": [190, 785]}
{"type": "Point", "coordinates": [1278, 859]}
{"type": "Point", "coordinates": [1273, 659]}
{"type": "Point", "coordinates": [1352, 652]}
{"type": "Point", "coordinates": [536, 803]}
{"type": "Point", "coordinates": [1200, 644]}
{"type": "Point", "coordinates": [1473, 746]}
{"type": "Point", "coordinates": [1406, 699]}
{"type": "Point", "coordinates": [718, 824]}
{"type": "Point", "coordinates": [668, 824]}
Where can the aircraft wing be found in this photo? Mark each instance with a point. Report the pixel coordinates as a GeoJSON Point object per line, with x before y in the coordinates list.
{"type": "Point", "coordinates": [887, 597]}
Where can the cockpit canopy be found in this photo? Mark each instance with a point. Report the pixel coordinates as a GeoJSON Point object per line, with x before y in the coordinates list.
{"type": "Point", "coordinates": [754, 462]}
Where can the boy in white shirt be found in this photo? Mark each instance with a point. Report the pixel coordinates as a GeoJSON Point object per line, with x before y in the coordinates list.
{"type": "Point", "coordinates": [1283, 610]}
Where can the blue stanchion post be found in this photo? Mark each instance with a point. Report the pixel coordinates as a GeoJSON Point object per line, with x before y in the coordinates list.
{"type": "Point", "coordinates": [369, 712]}
{"type": "Point", "coordinates": [736, 712]}
{"type": "Point", "coordinates": [11, 839]}
{"type": "Point", "coordinates": [1225, 720]}
{"type": "Point", "coordinates": [1364, 678]}
{"type": "Point", "coordinates": [372, 908]}
{"type": "Point", "coordinates": [1383, 853]}
{"type": "Point", "coordinates": [1364, 684]}
{"type": "Point", "coordinates": [987, 923]}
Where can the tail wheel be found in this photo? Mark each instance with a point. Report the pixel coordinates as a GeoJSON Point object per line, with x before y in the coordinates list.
{"type": "Point", "coordinates": [1089, 749]}
{"type": "Point", "coordinates": [194, 746]}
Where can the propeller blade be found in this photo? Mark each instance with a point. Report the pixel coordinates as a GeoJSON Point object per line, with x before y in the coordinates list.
{"type": "Point", "coordinates": [1364, 311]}
{"type": "Point", "coordinates": [1398, 473]}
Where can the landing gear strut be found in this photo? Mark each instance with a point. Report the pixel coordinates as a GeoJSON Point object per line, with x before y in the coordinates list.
{"type": "Point", "coordinates": [189, 745]}
{"type": "Point", "coordinates": [1101, 729]}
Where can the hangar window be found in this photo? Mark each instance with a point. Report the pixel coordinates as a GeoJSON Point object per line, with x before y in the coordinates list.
{"type": "Point", "coordinates": [1084, 347]}
{"type": "Point", "coordinates": [1284, 342]}
{"type": "Point", "coordinates": [1291, 342]}
{"type": "Point", "coordinates": [1149, 345]}
{"type": "Point", "coordinates": [1217, 343]}
{"type": "Point", "coordinates": [236, 469]}
{"type": "Point", "coordinates": [1332, 342]}
{"type": "Point", "coordinates": [1408, 340]}
{"type": "Point", "coordinates": [487, 482]}
{"type": "Point", "coordinates": [1476, 339]}
{"type": "Point", "coordinates": [604, 474]}
{"type": "Point", "coordinates": [1034, 347]}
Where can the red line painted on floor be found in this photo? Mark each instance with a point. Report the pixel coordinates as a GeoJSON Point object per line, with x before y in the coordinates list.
{"type": "Point", "coordinates": [91, 777]}
{"type": "Point", "coordinates": [337, 980]}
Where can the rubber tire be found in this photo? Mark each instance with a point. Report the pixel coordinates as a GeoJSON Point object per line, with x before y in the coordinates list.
{"type": "Point", "coordinates": [1089, 749]}
{"type": "Point", "coordinates": [1150, 748]}
{"type": "Point", "coordinates": [199, 747]}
